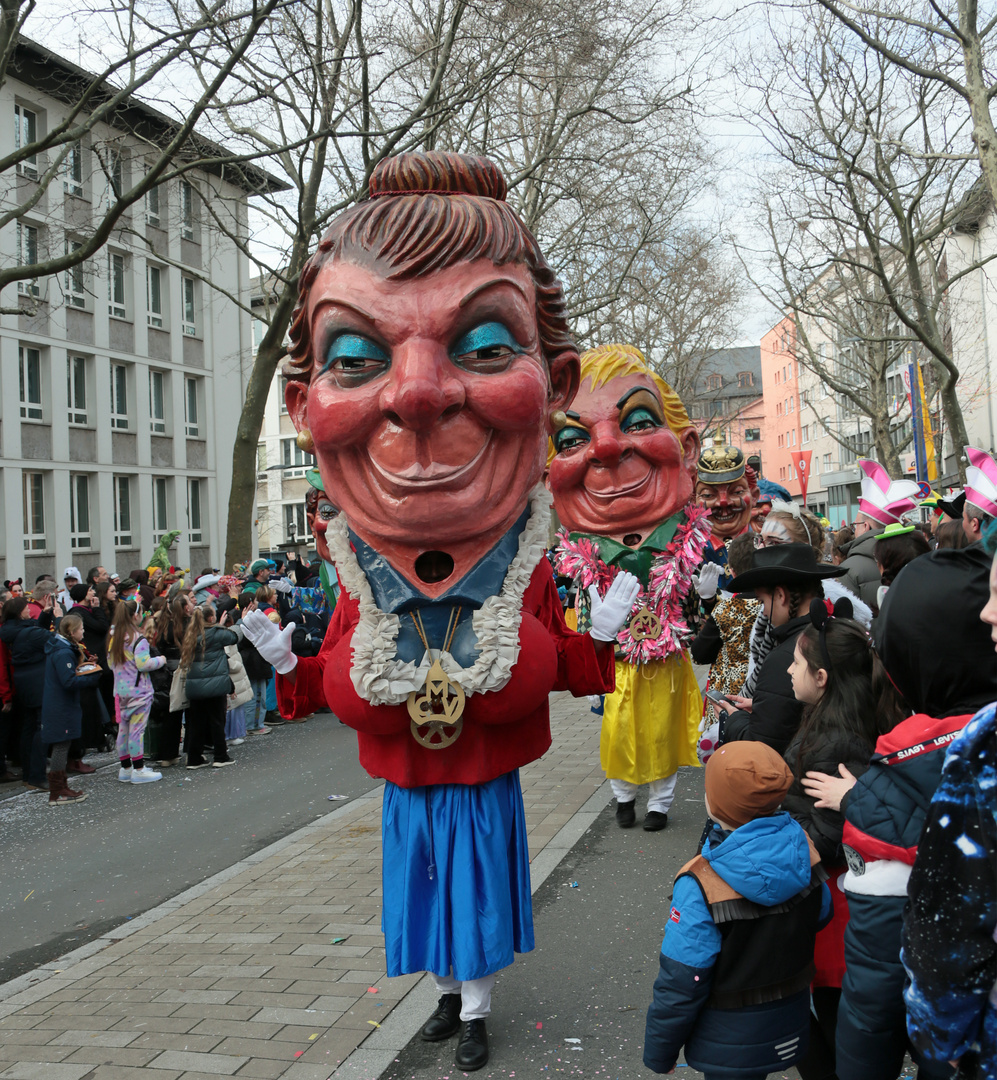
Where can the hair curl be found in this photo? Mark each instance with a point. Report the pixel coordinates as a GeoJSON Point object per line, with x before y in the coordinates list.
{"type": "Point", "coordinates": [426, 212]}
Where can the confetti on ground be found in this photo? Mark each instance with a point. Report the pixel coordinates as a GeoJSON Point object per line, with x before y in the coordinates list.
{"type": "Point", "coordinates": [373, 1023]}
{"type": "Point", "coordinates": [298, 1053]}
{"type": "Point", "coordinates": [572, 1040]}
{"type": "Point", "coordinates": [372, 990]}
{"type": "Point", "coordinates": [337, 798]}
{"type": "Point", "coordinates": [311, 1037]}
{"type": "Point", "coordinates": [539, 1025]}
{"type": "Point", "coordinates": [574, 885]}
{"type": "Point", "coordinates": [337, 940]}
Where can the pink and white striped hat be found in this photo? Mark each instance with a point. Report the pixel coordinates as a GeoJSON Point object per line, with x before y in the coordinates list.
{"type": "Point", "coordinates": [981, 480]}
{"type": "Point", "coordinates": [885, 500]}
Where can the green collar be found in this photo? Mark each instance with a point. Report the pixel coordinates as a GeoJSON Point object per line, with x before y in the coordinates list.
{"type": "Point", "coordinates": [636, 560]}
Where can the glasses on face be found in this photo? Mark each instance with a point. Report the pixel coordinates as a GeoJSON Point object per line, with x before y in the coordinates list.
{"type": "Point", "coordinates": [764, 540]}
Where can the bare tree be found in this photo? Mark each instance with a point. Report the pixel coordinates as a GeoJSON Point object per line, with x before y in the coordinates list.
{"type": "Point", "coordinates": [857, 213]}
{"type": "Point", "coordinates": [148, 51]}
{"type": "Point", "coordinates": [946, 43]}
{"type": "Point", "coordinates": [563, 95]}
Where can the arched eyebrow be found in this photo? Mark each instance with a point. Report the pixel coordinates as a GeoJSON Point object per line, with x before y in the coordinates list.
{"type": "Point", "coordinates": [635, 390]}
{"type": "Point", "coordinates": [465, 300]}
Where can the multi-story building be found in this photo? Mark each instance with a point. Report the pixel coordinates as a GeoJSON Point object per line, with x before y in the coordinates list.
{"type": "Point", "coordinates": [727, 406]}
{"type": "Point", "coordinates": [781, 430]}
{"type": "Point", "coordinates": [121, 380]}
{"type": "Point", "coordinates": [281, 464]}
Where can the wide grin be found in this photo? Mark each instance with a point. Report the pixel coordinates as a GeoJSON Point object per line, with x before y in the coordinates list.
{"type": "Point", "coordinates": [727, 514]}
{"type": "Point", "coordinates": [418, 477]}
{"type": "Point", "coordinates": [629, 491]}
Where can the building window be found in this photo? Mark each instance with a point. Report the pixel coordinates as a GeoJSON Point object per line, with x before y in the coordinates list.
{"type": "Point", "coordinates": [26, 133]}
{"type": "Point", "coordinates": [194, 511]}
{"type": "Point", "coordinates": [805, 435]}
{"type": "Point", "coordinates": [792, 437]}
{"type": "Point", "coordinates": [259, 329]}
{"type": "Point", "coordinates": [79, 511]}
{"type": "Point", "coordinates": [122, 512]}
{"type": "Point", "coordinates": [160, 514]}
{"type": "Point", "coordinates": [261, 461]}
{"type": "Point", "coordinates": [804, 398]}
{"type": "Point", "coordinates": [827, 463]}
{"type": "Point", "coordinates": [157, 402]}
{"type": "Point", "coordinates": [782, 472]}
{"type": "Point", "coordinates": [294, 459]}
{"type": "Point", "coordinates": [792, 475]}
{"type": "Point", "coordinates": [752, 434]}
{"type": "Point", "coordinates": [27, 255]}
{"type": "Point", "coordinates": [33, 499]}
{"type": "Point", "coordinates": [791, 405]}
{"type": "Point", "coordinates": [73, 279]}
{"type": "Point", "coordinates": [154, 295]}
{"type": "Point", "coordinates": [116, 285]}
{"type": "Point", "coordinates": [713, 382]}
{"type": "Point", "coordinates": [294, 514]}
{"type": "Point", "coordinates": [152, 209]}
{"type": "Point", "coordinates": [191, 413]}
{"type": "Point", "coordinates": [189, 306]}
{"type": "Point", "coordinates": [76, 380]}
{"type": "Point", "coordinates": [114, 175]}
{"type": "Point", "coordinates": [780, 441]}
{"type": "Point", "coordinates": [745, 379]}
{"type": "Point", "coordinates": [73, 180]}
{"type": "Point", "coordinates": [778, 408]}
{"type": "Point", "coordinates": [282, 394]}
{"type": "Point", "coordinates": [30, 371]}
{"type": "Point", "coordinates": [777, 380]}
{"type": "Point", "coordinates": [119, 396]}
{"type": "Point", "coordinates": [186, 211]}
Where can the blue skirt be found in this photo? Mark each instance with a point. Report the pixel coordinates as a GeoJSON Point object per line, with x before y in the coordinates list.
{"type": "Point", "coordinates": [456, 878]}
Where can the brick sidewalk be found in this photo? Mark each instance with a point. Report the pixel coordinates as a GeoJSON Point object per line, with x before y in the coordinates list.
{"type": "Point", "coordinates": [269, 968]}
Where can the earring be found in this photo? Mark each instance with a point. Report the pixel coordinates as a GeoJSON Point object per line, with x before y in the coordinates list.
{"type": "Point", "coordinates": [558, 419]}
{"type": "Point", "coordinates": [305, 441]}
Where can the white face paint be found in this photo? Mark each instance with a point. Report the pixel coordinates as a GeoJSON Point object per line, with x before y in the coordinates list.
{"type": "Point", "coordinates": [774, 532]}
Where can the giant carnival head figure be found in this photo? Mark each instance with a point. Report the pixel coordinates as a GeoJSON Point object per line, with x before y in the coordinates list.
{"type": "Point", "coordinates": [319, 511]}
{"type": "Point", "coordinates": [724, 489]}
{"type": "Point", "coordinates": [429, 351]}
{"type": "Point", "coordinates": [625, 461]}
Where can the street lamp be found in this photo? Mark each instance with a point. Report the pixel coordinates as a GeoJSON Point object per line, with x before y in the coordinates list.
{"type": "Point", "coordinates": [292, 528]}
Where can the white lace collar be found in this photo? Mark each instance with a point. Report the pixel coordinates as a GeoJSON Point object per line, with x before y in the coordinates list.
{"type": "Point", "coordinates": [382, 679]}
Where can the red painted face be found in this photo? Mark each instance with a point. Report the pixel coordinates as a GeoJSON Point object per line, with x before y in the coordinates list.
{"type": "Point", "coordinates": [318, 522]}
{"type": "Point", "coordinates": [427, 402]}
{"type": "Point", "coordinates": [619, 468]}
{"type": "Point", "coordinates": [730, 505]}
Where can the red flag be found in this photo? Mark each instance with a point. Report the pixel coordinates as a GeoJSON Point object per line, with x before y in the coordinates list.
{"type": "Point", "coordinates": [801, 459]}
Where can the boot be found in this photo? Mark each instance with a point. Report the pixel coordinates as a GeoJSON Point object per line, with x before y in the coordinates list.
{"type": "Point", "coordinates": [472, 1047]}
{"type": "Point", "coordinates": [79, 766]}
{"type": "Point", "coordinates": [60, 793]}
{"type": "Point", "coordinates": [444, 1022]}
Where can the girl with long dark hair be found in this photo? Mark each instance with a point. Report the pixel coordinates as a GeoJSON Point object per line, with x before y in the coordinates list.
{"type": "Point", "coordinates": [849, 702]}
{"type": "Point", "coordinates": [204, 659]}
{"type": "Point", "coordinates": [171, 625]}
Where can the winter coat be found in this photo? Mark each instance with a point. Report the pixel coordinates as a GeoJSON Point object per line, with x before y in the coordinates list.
{"type": "Point", "coordinates": [243, 690]}
{"type": "Point", "coordinates": [929, 635]}
{"type": "Point", "coordinates": [208, 675]}
{"type": "Point", "coordinates": [884, 815]}
{"type": "Point", "coordinates": [304, 640]}
{"type": "Point", "coordinates": [62, 714]}
{"type": "Point", "coordinates": [132, 678]}
{"type": "Point", "coordinates": [768, 862]}
{"type": "Point", "coordinates": [161, 679]}
{"type": "Point", "coordinates": [170, 647]}
{"type": "Point", "coordinates": [863, 577]}
{"type": "Point", "coordinates": [775, 714]}
{"type": "Point", "coordinates": [6, 677]}
{"type": "Point", "coordinates": [26, 640]}
{"type": "Point", "coordinates": [824, 754]}
{"type": "Point", "coordinates": [96, 627]}
{"type": "Point", "coordinates": [949, 949]}
{"type": "Point", "coordinates": [257, 669]}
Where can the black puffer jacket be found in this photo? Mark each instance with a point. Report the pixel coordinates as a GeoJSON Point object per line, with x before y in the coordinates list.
{"type": "Point", "coordinates": [863, 577]}
{"type": "Point", "coordinates": [256, 667]}
{"type": "Point", "coordinates": [775, 714]}
{"type": "Point", "coordinates": [824, 755]}
{"type": "Point", "coordinates": [26, 640]}
{"type": "Point", "coordinates": [96, 626]}
{"type": "Point", "coordinates": [207, 676]}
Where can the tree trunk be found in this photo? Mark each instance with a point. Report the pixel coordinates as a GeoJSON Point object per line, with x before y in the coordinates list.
{"type": "Point", "coordinates": [242, 495]}
{"type": "Point", "coordinates": [984, 134]}
{"type": "Point", "coordinates": [954, 420]}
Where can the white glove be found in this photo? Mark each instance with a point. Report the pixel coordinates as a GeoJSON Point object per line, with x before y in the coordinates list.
{"type": "Point", "coordinates": [272, 643]}
{"type": "Point", "coordinates": [282, 585]}
{"type": "Point", "coordinates": [610, 612]}
{"type": "Point", "coordinates": [706, 580]}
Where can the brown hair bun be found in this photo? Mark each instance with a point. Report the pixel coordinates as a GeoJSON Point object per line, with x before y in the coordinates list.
{"type": "Point", "coordinates": [454, 174]}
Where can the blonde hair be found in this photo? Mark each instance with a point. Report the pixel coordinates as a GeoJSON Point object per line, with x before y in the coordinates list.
{"type": "Point", "coordinates": [614, 361]}
{"type": "Point", "coordinates": [69, 625]}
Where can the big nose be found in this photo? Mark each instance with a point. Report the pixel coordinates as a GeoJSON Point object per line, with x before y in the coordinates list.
{"type": "Point", "coordinates": [422, 386]}
{"type": "Point", "coordinates": [606, 447]}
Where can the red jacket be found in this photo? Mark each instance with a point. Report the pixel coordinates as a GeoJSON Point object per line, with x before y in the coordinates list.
{"type": "Point", "coordinates": [502, 730]}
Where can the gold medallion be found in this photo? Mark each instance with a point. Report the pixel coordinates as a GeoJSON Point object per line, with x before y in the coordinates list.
{"type": "Point", "coordinates": [645, 624]}
{"type": "Point", "coordinates": [435, 714]}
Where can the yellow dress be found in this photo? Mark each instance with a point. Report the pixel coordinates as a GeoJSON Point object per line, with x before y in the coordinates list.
{"type": "Point", "coordinates": [651, 721]}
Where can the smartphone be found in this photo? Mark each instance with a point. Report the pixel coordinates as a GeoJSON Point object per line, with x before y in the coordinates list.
{"type": "Point", "coordinates": [716, 697]}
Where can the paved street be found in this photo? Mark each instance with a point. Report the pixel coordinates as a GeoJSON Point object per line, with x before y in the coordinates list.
{"type": "Point", "coordinates": [274, 966]}
{"type": "Point", "coordinates": [72, 873]}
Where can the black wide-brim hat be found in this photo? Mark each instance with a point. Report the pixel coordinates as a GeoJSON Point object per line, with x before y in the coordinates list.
{"type": "Point", "coordinates": [953, 505]}
{"type": "Point", "coordinates": [783, 564]}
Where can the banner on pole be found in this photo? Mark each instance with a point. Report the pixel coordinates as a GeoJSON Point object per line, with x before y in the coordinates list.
{"type": "Point", "coordinates": [801, 461]}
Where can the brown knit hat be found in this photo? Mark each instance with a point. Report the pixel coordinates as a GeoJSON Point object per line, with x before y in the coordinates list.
{"type": "Point", "coordinates": [745, 780]}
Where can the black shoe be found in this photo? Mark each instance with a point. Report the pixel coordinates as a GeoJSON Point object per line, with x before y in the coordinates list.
{"type": "Point", "coordinates": [655, 821]}
{"type": "Point", "coordinates": [274, 719]}
{"type": "Point", "coordinates": [444, 1022]}
{"type": "Point", "coordinates": [626, 818]}
{"type": "Point", "coordinates": [472, 1048]}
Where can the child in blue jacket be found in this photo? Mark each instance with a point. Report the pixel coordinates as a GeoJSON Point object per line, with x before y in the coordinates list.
{"type": "Point", "coordinates": [736, 962]}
